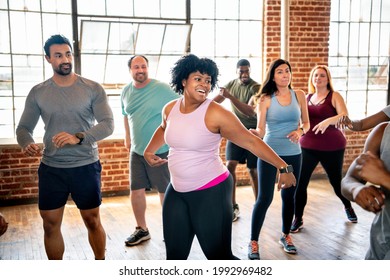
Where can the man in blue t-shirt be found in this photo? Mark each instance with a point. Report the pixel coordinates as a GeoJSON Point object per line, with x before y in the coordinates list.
{"type": "Point", "coordinates": [142, 102]}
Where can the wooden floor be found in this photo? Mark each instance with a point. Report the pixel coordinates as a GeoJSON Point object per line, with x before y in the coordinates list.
{"type": "Point", "coordinates": [327, 234]}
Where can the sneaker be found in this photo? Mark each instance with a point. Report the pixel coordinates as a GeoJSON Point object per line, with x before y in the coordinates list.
{"type": "Point", "coordinates": [137, 237]}
{"type": "Point", "coordinates": [253, 250]}
{"type": "Point", "coordinates": [296, 225]}
{"type": "Point", "coordinates": [287, 244]}
{"type": "Point", "coordinates": [236, 212]}
{"type": "Point", "coordinates": [351, 215]}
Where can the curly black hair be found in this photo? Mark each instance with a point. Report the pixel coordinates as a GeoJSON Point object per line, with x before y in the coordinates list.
{"type": "Point", "coordinates": [189, 64]}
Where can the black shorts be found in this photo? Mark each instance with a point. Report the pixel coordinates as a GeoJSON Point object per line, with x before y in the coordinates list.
{"type": "Point", "coordinates": [234, 152]}
{"type": "Point", "coordinates": [83, 183]}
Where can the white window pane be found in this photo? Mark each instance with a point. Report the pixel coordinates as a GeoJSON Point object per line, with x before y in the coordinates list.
{"type": "Point", "coordinates": [86, 7]}
{"type": "Point", "coordinates": [202, 9]}
{"type": "Point", "coordinates": [375, 101]}
{"type": "Point", "coordinates": [251, 9]}
{"type": "Point", "coordinates": [385, 10]}
{"type": "Point", "coordinates": [356, 104]}
{"type": "Point", "coordinates": [147, 8]}
{"type": "Point", "coordinates": [92, 41]}
{"type": "Point", "coordinates": [164, 68]}
{"type": "Point", "coordinates": [58, 6]}
{"type": "Point", "coordinates": [27, 26]}
{"type": "Point", "coordinates": [343, 36]}
{"type": "Point", "coordinates": [250, 38]}
{"type": "Point", "coordinates": [92, 67]}
{"type": "Point", "coordinates": [173, 9]}
{"type": "Point", "coordinates": [122, 38]}
{"type": "Point", "coordinates": [384, 39]}
{"type": "Point", "coordinates": [226, 38]}
{"type": "Point", "coordinates": [117, 71]}
{"type": "Point", "coordinates": [353, 39]}
{"type": "Point", "coordinates": [175, 39]}
{"type": "Point", "coordinates": [120, 8]}
{"type": "Point", "coordinates": [57, 24]}
{"type": "Point", "coordinates": [27, 5]}
{"type": "Point", "coordinates": [4, 36]}
{"type": "Point", "coordinates": [5, 102]}
{"type": "Point", "coordinates": [149, 38]}
{"type": "Point", "coordinates": [334, 10]}
{"type": "Point", "coordinates": [227, 9]}
{"type": "Point", "coordinates": [364, 39]}
{"type": "Point", "coordinates": [202, 37]}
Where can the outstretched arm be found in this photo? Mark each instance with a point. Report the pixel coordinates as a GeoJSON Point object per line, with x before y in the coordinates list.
{"type": "Point", "coordinates": [363, 124]}
{"type": "Point", "coordinates": [220, 120]}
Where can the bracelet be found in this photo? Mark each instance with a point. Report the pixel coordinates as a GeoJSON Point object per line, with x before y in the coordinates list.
{"type": "Point", "coordinates": [303, 132]}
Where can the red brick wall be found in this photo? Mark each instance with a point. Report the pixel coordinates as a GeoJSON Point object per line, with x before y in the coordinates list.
{"type": "Point", "coordinates": [308, 43]}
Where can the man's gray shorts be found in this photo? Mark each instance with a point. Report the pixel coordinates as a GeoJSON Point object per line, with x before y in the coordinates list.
{"type": "Point", "coordinates": [143, 176]}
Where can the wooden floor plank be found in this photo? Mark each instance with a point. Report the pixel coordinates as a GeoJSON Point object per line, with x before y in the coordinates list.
{"type": "Point", "coordinates": [327, 235]}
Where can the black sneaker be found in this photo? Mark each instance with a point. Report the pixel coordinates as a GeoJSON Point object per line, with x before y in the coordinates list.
{"type": "Point", "coordinates": [296, 225]}
{"type": "Point", "coordinates": [351, 215]}
{"type": "Point", "coordinates": [253, 250]}
{"type": "Point", "coordinates": [137, 237]}
{"type": "Point", "coordinates": [236, 212]}
{"type": "Point", "coordinates": [288, 245]}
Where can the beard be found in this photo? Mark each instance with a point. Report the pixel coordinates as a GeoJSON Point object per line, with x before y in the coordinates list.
{"type": "Point", "coordinates": [140, 78]}
{"type": "Point", "coordinates": [63, 70]}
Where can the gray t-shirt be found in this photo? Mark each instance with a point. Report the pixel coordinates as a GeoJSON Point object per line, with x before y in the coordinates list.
{"type": "Point", "coordinates": [386, 110]}
{"type": "Point", "coordinates": [70, 109]}
{"type": "Point", "coordinates": [380, 228]}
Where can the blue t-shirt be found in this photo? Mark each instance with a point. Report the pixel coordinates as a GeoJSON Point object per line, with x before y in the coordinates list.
{"type": "Point", "coordinates": [281, 120]}
{"type": "Point", "coordinates": [143, 107]}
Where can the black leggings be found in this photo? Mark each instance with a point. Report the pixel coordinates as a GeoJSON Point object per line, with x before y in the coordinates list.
{"type": "Point", "coordinates": [267, 178]}
{"type": "Point", "coordinates": [332, 162]}
{"type": "Point", "coordinates": [206, 214]}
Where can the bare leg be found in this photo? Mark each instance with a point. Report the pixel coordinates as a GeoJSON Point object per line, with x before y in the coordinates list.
{"type": "Point", "coordinates": [53, 240]}
{"type": "Point", "coordinates": [96, 233]}
{"type": "Point", "coordinates": [138, 202]}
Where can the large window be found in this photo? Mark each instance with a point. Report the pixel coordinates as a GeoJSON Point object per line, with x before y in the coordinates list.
{"type": "Point", "coordinates": [109, 32]}
{"type": "Point", "coordinates": [359, 53]}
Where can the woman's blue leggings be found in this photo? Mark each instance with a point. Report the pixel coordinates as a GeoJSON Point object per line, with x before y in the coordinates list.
{"type": "Point", "coordinates": [267, 179]}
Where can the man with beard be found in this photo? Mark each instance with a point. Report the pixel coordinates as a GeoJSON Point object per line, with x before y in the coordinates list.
{"type": "Point", "coordinates": [69, 105]}
{"type": "Point", "coordinates": [239, 91]}
{"type": "Point", "coordinates": [142, 101]}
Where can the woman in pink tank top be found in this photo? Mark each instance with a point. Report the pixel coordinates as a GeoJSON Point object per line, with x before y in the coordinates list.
{"type": "Point", "coordinates": [198, 199]}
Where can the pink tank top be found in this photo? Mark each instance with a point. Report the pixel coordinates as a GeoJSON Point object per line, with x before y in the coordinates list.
{"type": "Point", "coordinates": [193, 158]}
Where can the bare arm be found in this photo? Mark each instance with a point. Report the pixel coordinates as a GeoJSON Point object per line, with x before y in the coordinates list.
{"type": "Point", "coordinates": [157, 139]}
{"type": "Point", "coordinates": [363, 124]}
{"type": "Point", "coordinates": [242, 106]}
{"type": "Point", "coordinates": [341, 109]}
{"type": "Point", "coordinates": [218, 119]}
{"type": "Point", "coordinates": [127, 132]}
{"type": "Point", "coordinates": [367, 168]}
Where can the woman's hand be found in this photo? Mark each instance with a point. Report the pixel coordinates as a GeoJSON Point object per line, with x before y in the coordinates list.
{"type": "Point", "coordinates": [295, 135]}
{"type": "Point", "coordinates": [321, 127]}
{"type": "Point", "coordinates": [286, 180]}
{"type": "Point", "coordinates": [154, 160]}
